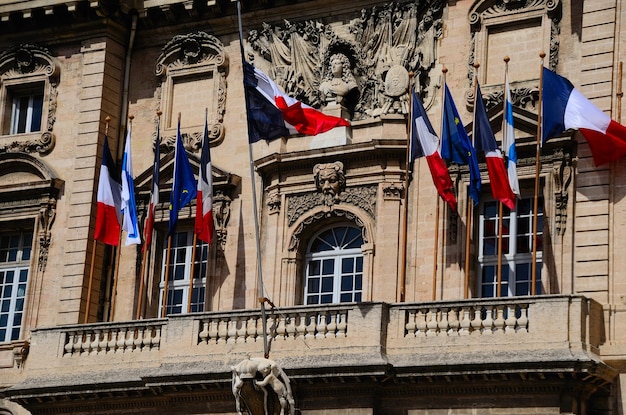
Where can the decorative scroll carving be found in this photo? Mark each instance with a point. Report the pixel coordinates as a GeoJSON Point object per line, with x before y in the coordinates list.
{"type": "Point", "coordinates": [47, 214]}
{"type": "Point", "coordinates": [520, 97]}
{"type": "Point", "coordinates": [198, 54]}
{"type": "Point", "coordinates": [392, 190]}
{"type": "Point", "coordinates": [221, 213]}
{"type": "Point", "coordinates": [381, 46]}
{"type": "Point", "coordinates": [295, 238]}
{"type": "Point", "coordinates": [363, 197]}
{"type": "Point", "coordinates": [562, 176]}
{"type": "Point", "coordinates": [26, 62]}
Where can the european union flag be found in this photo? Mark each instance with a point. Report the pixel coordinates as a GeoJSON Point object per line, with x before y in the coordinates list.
{"type": "Point", "coordinates": [456, 145]}
{"type": "Point", "coordinates": [184, 186]}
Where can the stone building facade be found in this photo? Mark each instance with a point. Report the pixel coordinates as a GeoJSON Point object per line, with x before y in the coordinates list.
{"type": "Point", "coordinates": [362, 290]}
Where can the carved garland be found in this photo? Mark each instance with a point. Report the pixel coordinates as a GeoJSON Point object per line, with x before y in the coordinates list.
{"type": "Point", "coordinates": [31, 60]}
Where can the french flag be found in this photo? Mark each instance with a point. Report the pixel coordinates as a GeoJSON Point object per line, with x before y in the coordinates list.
{"type": "Point", "coordinates": [425, 143]}
{"type": "Point", "coordinates": [273, 114]}
{"type": "Point", "coordinates": [486, 142]}
{"type": "Point", "coordinates": [204, 202]}
{"type": "Point", "coordinates": [154, 197]}
{"type": "Point", "coordinates": [565, 108]}
{"type": "Point", "coordinates": [109, 200]}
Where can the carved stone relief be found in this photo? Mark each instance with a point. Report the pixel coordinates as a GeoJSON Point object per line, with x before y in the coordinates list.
{"type": "Point", "coordinates": [377, 51]}
{"type": "Point", "coordinates": [47, 214]}
{"type": "Point", "coordinates": [295, 238]}
{"type": "Point", "coordinates": [23, 64]}
{"type": "Point", "coordinates": [193, 58]}
{"type": "Point", "coordinates": [562, 177]}
{"type": "Point", "coordinates": [330, 180]}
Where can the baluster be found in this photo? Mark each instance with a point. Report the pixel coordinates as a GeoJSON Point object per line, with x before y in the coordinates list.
{"type": "Point", "coordinates": [83, 344]}
{"type": "Point", "coordinates": [281, 330]}
{"type": "Point", "coordinates": [204, 333]}
{"type": "Point", "coordinates": [121, 340]}
{"type": "Point", "coordinates": [95, 341]}
{"type": "Point", "coordinates": [342, 324]}
{"type": "Point", "coordinates": [522, 321]}
{"type": "Point", "coordinates": [431, 324]}
{"type": "Point", "coordinates": [499, 321]}
{"type": "Point", "coordinates": [222, 331]}
{"type": "Point", "coordinates": [311, 328]}
{"type": "Point", "coordinates": [232, 330]}
{"type": "Point", "coordinates": [410, 327]}
{"type": "Point", "coordinates": [104, 341]}
{"type": "Point", "coordinates": [511, 319]}
{"type": "Point", "coordinates": [130, 341]}
{"type": "Point", "coordinates": [442, 324]}
{"type": "Point", "coordinates": [420, 324]}
{"type": "Point", "coordinates": [213, 331]}
{"type": "Point", "coordinates": [155, 341]}
{"type": "Point", "coordinates": [321, 326]}
{"type": "Point", "coordinates": [331, 327]}
{"type": "Point", "coordinates": [301, 328]}
{"type": "Point", "coordinates": [138, 343]}
{"type": "Point", "coordinates": [291, 327]}
{"type": "Point", "coordinates": [70, 340]}
{"type": "Point", "coordinates": [251, 329]}
{"type": "Point", "coordinates": [242, 330]}
{"type": "Point", "coordinates": [488, 321]}
{"type": "Point", "coordinates": [453, 322]}
{"type": "Point", "coordinates": [112, 340]}
{"type": "Point", "coordinates": [476, 323]}
{"type": "Point", "coordinates": [465, 322]}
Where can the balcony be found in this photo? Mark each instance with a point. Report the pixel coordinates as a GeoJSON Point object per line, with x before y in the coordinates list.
{"type": "Point", "coordinates": [552, 335]}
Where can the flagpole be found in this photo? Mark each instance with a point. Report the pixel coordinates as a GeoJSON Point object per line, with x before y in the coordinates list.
{"type": "Point", "coordinates": [193, 266]}
{"type": "Point", "coordinates": [500, 205]}
{"type": "Point", "coordinates": [468, 219]}
{"type": "Point", "coordinates": [444, 71]}
{"type": "Point", "coordinates": [141, 282]}
{"type": "Point", "coordinates": [533, 288]}
{"type": "Point", "coordinates": [261, 297]}
{"type": "Point", "coordinates": [403, 225]}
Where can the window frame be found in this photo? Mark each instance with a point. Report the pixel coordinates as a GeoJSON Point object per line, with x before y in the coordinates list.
{"type": "Point", "coordinates": [338, 256]}
{"type": "Point", "coordinates": [512, 261]}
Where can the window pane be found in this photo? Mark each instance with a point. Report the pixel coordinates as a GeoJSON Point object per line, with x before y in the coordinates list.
{"type": "Point", "coordinates": [346, 283]}
{"type": "Point", "coordinates": [327, 284]}
{"type": "Point", "coordinates": [347, 265]}
{"type": "Point", "coordinates": [328, 267]}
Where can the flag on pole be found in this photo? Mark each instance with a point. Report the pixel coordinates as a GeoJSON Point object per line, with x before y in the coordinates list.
{"type": "Point", "coordinates": [204, 202]}
{"type": "Point", "coordinates": [456, 145]}
{"type": "Point", "coordinates": [154, 197]}
{"type": "Point", "coordinates": [425, 143]}
{"type": "Point", "coordinates": [486, 142]}
{"type": "Point", "coordinates": [184, 183]}
{"type": "Point", "coordinates": [129, 207]}
{"type": "Point", "coordinates": [508, 138]}
{"type": "Point", "coordinates": [273, 114]}
{"type": "Point", "coordinates": [109, 200]}
{"type": "Point", "coordinates": [565, 108]}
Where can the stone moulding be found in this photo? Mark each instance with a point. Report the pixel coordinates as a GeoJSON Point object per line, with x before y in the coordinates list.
{"type": "Point", "coordinates": [192, 56]}
{"type": "Point", "coordinates": [22, 64]}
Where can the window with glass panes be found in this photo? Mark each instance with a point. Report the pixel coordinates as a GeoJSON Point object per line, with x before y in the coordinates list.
{"type": "Point", "coordinates": [15, 250]}
{"type": "Point", "coordinates": [334, 267]}
{"type": "Point", "coordinates": [517, 237]}
{"type": "Point", "coordinates": [26, 110]}
{"type": "Point", "coordinates": [181, 288]}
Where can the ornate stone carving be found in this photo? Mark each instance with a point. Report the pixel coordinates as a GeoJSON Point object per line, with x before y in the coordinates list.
{"type": "Point", "coordinates": [274, 202]}
{"type": "Point", "coordinates": [393, 190]}
{"type": "Point", "coordinates": [31, 62]}
{"type": "Point", "coordinates": [47, 214]}
{"type": "Point", "coordinates": [363, 197]}
{"type": "Point", "coordinates": [273, 381]}
{"type": "Point", "coordinates": [221, 213]}
{"type": "Point", "coordinates": [382, 46]}
{"type": "Point", "coordinates": [330, 180]}
{"type": "Point", "coordinates": [196, 53]}
{"type": "Point", "coordinates": [562, 177]}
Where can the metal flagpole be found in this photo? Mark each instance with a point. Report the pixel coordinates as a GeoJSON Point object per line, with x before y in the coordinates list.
{"type": "Point", "coordinates": [403, 225]}
{"type": "Point", "coordinates": [533, 279]}
{"type": "Point", "coordinates": [261, 298]}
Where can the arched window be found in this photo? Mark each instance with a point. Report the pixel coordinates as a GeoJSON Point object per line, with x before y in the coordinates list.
{"type": "Point", "coordinates": [334, 266]}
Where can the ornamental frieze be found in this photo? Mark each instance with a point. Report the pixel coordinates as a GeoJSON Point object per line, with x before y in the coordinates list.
{"type": "Point", "coordinates": [363, 65]}
{"type": "Point", "coordinates": [363, 197]}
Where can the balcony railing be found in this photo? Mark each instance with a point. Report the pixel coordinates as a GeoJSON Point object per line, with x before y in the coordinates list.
{"type": "Point", "coordinates": [363, 334]}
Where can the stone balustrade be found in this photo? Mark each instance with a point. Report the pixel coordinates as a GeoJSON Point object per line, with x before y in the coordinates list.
{"type": "Point", "coordinates": [404, 335]}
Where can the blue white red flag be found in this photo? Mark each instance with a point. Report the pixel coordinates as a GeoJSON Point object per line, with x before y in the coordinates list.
{"type": "Point", "coordinates": [273, 114]}
{"type": "Point", "coordinates": [486, 142]}
{"type": "Point", "coordinates": [204, 201]}
{"type": "Point", "coordinates": [508, 138]}
{"type": "Point", "coordinates": [565, 108]}
{"type": "Point", "coordinates": [109, 200]}
{"type": "Point", "coordinates": [129, 207]}
{"type": "Point", "coordinates": [425, 143]}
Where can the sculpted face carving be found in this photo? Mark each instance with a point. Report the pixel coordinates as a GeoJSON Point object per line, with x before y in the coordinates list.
{"type": "Point", "coordinates": [330, 180]}
{"type": "Point", "coordinates": [340, 81]}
